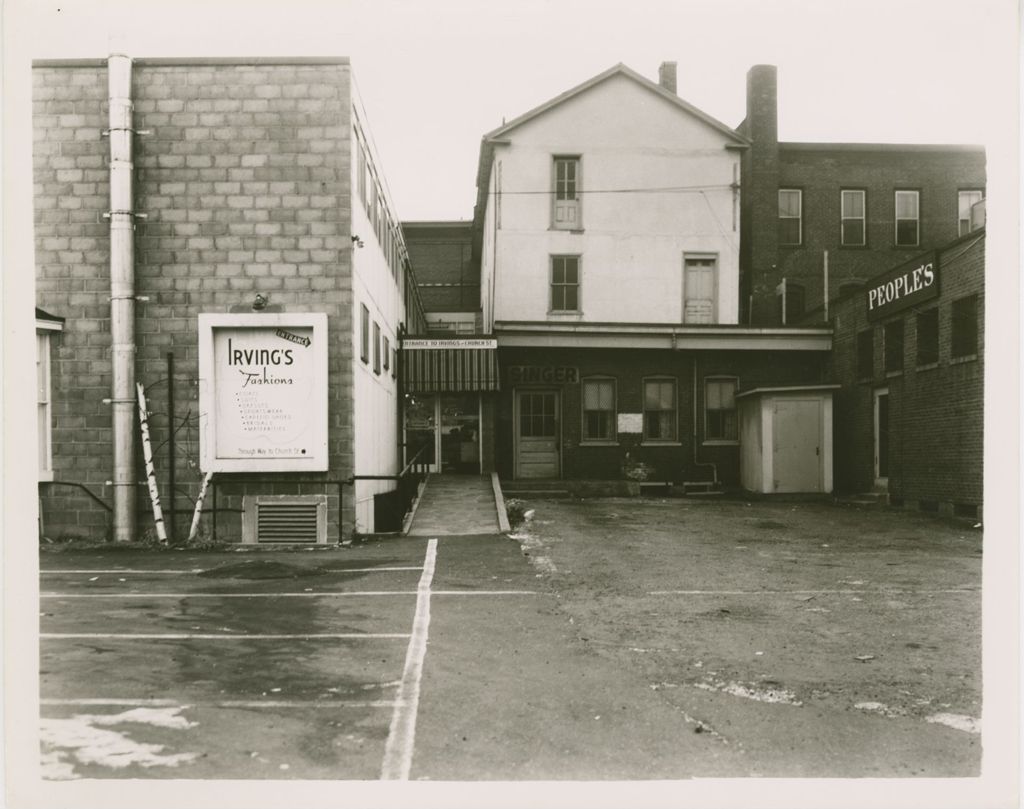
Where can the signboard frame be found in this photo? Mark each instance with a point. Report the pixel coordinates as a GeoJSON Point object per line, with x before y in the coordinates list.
{"type": "Point", "coordinates": [312, 409]}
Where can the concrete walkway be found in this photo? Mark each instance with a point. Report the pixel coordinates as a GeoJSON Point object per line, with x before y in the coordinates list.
{"type": "Point", "coordinates": [454, 505]}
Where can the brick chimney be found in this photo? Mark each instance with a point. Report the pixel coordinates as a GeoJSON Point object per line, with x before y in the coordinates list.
{"type": "Point", "coordinates": [762, 104]}
{"type": "Point", "coordinates": [759, 201]}
{"type": "Point", "coordinates": [667, 76]}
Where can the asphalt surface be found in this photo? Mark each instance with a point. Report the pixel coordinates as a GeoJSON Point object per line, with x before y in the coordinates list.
{"type": "Point", "coordinates": [605, 640]}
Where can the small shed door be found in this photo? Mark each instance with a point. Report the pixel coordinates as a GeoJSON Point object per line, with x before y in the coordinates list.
{"type": "Point", "coordinates": [797, 445]}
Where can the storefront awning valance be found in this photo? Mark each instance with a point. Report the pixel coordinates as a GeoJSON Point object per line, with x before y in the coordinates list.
{"type": "Point", "coordinates": [449, 366]}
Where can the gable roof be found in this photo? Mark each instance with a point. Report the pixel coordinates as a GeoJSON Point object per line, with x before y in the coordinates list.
{"type": "Point", "coordinates": [618, 70]}
{"type": "Point", "coordinates": [496, 136]}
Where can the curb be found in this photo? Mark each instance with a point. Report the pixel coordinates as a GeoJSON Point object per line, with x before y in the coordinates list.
{"type": "Point", "coordinates": [499, 504]}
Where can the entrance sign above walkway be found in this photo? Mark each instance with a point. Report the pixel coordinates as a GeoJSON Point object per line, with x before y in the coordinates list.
{"type": "Point", "coordinates": [907, 285]}
{"type": "Point", "coordinates": [449, 343]}
{"type": "Point", "coordinates": [263, 392]}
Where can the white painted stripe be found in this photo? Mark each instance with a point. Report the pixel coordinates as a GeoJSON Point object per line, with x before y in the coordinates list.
{"type": "Point", "coordinates": [402, 734]}
{"type": "Point", "coordinates": [297, 595]}
{"type": "Point", "coordinates": [216, 636]}
{"type": "Point", "coordinates": [807, 592]}
{"type": "Point", "coordinates": [193, 571]}
{"type": "Point", "coordinates": [234, 703]}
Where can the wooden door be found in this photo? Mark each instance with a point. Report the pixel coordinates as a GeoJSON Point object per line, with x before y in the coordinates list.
{"type": "Point", "coordinates": [538, 434]}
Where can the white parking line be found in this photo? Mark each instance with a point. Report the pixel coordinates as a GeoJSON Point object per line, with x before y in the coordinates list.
{"type": "Point", "coordinates": [401, 736]}
{"type": "Point", "coordinates": [193, 571]}
{"type": "Point", "coordinates": [229, 703]}
{"type": "Point", "coordinates": [215, 636]}
{"type": "Point", "coordinates": [809, 592]}
{"type": "Point", "coordinates": [295, 595]}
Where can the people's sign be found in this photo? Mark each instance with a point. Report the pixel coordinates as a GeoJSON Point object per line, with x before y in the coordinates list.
{"type": "Point", "coordinates": [263, 391]}
{"type": "Point", "coordinates": [909, 284]}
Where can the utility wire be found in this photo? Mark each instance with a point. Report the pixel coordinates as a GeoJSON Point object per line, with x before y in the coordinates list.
{"type": "Point", "coordinates": [671, 189]}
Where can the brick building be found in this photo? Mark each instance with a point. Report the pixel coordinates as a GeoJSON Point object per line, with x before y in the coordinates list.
{"type": "Point", "coordinates": [262, 198]}
{"type": "Point", "coordinates": [869, 205]}
{"type": "Point", "coordinates": [608, 229]}
{"type": "Point", "coordinates": [909, 414]}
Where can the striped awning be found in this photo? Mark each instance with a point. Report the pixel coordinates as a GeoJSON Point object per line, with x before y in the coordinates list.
{"type": "Point", "coordinates": [449, 370]}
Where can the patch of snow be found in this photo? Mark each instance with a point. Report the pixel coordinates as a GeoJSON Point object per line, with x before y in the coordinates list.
{"type": "Point", "coordinates": [82, 739]}
{"type": "Point", "coordinates": [879, 708]}
{"type": "Point", "coordinates": [968, 724]}
{"type": "Point", "coordinates": [769, 695]}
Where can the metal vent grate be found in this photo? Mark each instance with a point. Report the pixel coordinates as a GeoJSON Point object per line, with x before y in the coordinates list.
{"type": "Point", "coordinates": [286, 522]}
{"type": "Point", "coordinates": [285, 519]}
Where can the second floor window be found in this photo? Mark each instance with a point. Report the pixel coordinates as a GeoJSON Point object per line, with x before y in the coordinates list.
{"type": "Point", "coordinates": [908, 219]}
{"type": "Point", "coordinates": [853, 219]}
{"type": "Point", "coordinates": [967, 200]}
{"type": "Point", "coordinates": [376, 347]}
{"type": "Point", "coordinates": [790, 216]}
{"type": "Point", "coordinates": [964, 338]}
{"type": "Point", "coordinates": [364, 333]}
{"type": "Point", "coordinates": [565, 283]}
{"type": "Point", "coordinates": [566, 211]}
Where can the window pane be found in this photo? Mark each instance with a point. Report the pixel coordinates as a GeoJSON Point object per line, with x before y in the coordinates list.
{"type": "Point", "coordinates": [853, 231]}
{"type": "Point", "coordinates": [571, 270]}
{"type": "Point", "coordinates": [570, 299]}
{"type": "Point", "coordinates": [906, 204]}
{"type": "Point", "coordinates": [789, 203]}
{"type": "Point", "coordinates": [906, 232]}
{"type": "Point", "coordinates": [853, 203]}
{"type": "Point", "coordinates": [789, 231]}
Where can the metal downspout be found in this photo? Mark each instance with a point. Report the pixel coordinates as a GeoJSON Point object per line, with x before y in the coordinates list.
{"type": "Point", "coordinates": [122, 296]}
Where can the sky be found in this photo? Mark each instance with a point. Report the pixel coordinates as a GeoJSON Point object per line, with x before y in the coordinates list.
{"type": "Point", "coordinates": [435, 76]}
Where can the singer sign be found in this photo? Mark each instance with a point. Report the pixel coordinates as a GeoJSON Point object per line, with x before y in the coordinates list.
{"type": "Point", "coordinates": [263, 392]}
{"type": "Point", "coordinates": [909, 284]}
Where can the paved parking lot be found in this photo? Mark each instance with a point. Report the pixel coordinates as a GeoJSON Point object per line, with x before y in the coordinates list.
{"type": "Point", "coordinates": [622, 639]}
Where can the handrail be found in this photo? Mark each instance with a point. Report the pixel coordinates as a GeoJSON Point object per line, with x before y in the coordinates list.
{"type": "Point", "coordinates": [409, 465]}
{"type": "Point", "coordinates": [81, 486]}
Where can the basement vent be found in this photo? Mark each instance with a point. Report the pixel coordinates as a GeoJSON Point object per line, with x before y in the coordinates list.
{"type": "Point", "coordinates": [291, 519]}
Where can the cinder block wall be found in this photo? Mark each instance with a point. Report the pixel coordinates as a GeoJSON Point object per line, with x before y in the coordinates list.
{"type": "Point", "coordinates": [245, 184]}
{"type": "Point", "coordinates": [936, 413]}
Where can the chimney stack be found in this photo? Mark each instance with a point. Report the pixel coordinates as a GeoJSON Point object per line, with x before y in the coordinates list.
{"type": "Point", "coordinates": [667, 76]}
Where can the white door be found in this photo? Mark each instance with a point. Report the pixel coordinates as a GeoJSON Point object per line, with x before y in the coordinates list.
{"type": "Point", "coordinates": [796, 432]}
{"type": "Point", "coordinates": [699, 290]}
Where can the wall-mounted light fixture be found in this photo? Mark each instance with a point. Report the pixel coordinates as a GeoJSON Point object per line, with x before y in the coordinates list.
{"type": "Point", "coordinates": [357, 241]}
{"type": "Point", "coordinates": [260, 302]}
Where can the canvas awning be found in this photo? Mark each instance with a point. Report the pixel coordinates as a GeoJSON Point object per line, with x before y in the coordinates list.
{"type": "Point", "coordinates": [449, 365]}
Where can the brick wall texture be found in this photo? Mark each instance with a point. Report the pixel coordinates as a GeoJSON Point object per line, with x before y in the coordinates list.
{"type": "Point", "coordinates": [442, 254]}
{"type": "Point", "coordinates": [936, 412]}
{"type": "Point", "coordinates": [629, 368]}
{"type": "Point", "coordinates": [245, 183]}
{"type": "Point", "coordinates": [821, 171]}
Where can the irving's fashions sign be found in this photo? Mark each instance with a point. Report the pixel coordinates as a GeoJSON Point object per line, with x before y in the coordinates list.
{"type": "Point", "coordinates": [907, 285]}
{"type": "Point", "coordinates": [263, 392]}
